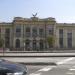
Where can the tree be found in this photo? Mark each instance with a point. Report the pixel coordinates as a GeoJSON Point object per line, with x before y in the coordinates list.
{"type": "Point", "coordinates": [50, 41]}
{"type": "Point", "coordinates": [1, 42]}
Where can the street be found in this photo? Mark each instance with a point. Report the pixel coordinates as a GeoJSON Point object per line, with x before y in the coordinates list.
{"type": "Point", "coordinates": [65, 66]}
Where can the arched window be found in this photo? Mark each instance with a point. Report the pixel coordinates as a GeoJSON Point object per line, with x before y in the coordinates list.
{"type": "Point", "coordinates": [34, 45]}
{"type": "Point", "coordinates": [41, 44]}
{"type": "Point", "coordinates": [27, 44]}
{"type": "Point", "coordinates": [17, 43]}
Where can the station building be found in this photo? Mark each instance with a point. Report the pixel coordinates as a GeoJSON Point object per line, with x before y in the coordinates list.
{"type": "Point", "coordinates": [31, 34]}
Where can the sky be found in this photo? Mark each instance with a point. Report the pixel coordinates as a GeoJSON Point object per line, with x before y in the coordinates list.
{"type": "Point", "coordinates": [62, 10]}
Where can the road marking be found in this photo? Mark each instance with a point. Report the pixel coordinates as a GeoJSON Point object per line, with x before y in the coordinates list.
{"type": "Point", "coordinates": [73, 66]}
{"type": "Point", "coordinates": [72, 69]}
{"type": "Point", "coordinates": [46, 68]}
{"type": "Point", "coordinates": [35, 74]}
{"type": "Point", "coordinates": [65, 61]}
{"type": "Point", "coordinates": [59, 63]}
{"type": "Point", "coordinates": [70, 73]}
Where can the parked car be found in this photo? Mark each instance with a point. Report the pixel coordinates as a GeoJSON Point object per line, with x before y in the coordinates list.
{"type": "Point", "coordinates": [11, 68]}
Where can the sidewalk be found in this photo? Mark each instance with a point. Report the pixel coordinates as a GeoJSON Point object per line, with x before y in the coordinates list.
{"type": "Point", "coordinates": [30, 58]}
{"type": "Point", "coordinates": [23, 54]}
{"type": "Point", "coordinates": [45, 51]}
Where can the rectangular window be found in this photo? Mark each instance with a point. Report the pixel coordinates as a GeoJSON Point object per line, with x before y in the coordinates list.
{"type": "Point", "coordinates": [69, 39]}
{"type": "Point", "coordinates": [61, 33]}
{"type": "Point", "coordinates": [7, 37]}
{"type": "Point", "coordinates": [27, 33]}
{"type": "Point", "coordinates": [61, 42]}
{"type": "Point", "coordinates": [34, 32]}
{"type": "Point", "coordinates": [61, 38]}
{"type": "Point", "coordinates": [0, 32]}
{"type": "Point", "coordinates": [28, 29]}
{"type": "Point", "coordinates": [18, 31]}
{"type": "Point", "coordinates": [7, 32]}
{"type": "Point", "coordinates": [41, 32]}
{"type": "Point", "coordinates": [50, 32]}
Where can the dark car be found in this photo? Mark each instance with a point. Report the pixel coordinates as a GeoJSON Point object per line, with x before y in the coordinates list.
{"type": "Point", "coordinates": [11, 68]}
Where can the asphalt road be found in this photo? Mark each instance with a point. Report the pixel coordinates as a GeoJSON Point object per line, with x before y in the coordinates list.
{"type": "Point", "coordinates": [35, 59]}
{"type": "Point", "coordinates": [65, 66]}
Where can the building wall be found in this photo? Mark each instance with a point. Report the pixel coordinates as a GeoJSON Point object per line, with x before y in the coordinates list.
{"type": "Point", "coordinates": [67, 28]}
{"type": "Point", "coordinates": [3, 28]}
{"type": "Point", "coordinates": [47, 24]}
{"type": "Point", "coordinates": [33, 23]}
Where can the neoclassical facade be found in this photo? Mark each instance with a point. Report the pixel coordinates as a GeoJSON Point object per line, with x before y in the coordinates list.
{"type": "Point", "coordinates": [32, 33]}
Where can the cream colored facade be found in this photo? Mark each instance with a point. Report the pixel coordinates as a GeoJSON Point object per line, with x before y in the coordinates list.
{"type": "Point", "coordinates": [32, 33]}
{"type": "Point", "coordinates": [67, 28]}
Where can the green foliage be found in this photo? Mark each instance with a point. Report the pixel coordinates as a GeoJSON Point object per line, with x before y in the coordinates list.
{"type": "Point", "coordinates": [1, 42]}
{"type": "Point", "coordinates": [50, 41]}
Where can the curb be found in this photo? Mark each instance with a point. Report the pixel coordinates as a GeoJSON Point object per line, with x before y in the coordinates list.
{"type": "Point", "coordinates": [38, 56]}
{"type": "Point", "coordinates": [54, 51]}
{"type": "Point", "coordinates": [39, 63]}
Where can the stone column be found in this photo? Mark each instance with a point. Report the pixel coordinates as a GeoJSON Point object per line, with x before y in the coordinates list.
{"type": "Point", "coordinates": [57, 38]}
{"type": "Point", "coordinates": [73, 38]}
{"type": "Point", "coordinates": [65, 38]}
